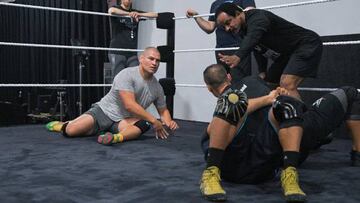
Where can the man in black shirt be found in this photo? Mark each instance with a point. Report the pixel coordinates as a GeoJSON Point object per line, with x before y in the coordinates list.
{"type": "Point", "coordinates": [296, 51]}
{"type": "Point", "coordinates": [124, 34]}
{"type": "Point", "coordinates": [225, 39]}
{"type": "Point", "coordinates": [255, 131]}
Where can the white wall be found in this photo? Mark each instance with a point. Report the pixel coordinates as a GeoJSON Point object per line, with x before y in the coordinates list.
{"type": "Point", "coordinates": [196, 104]}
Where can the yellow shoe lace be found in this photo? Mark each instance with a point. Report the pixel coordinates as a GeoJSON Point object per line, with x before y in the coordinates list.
{"type": "Point", "coordinates": [210, 181]}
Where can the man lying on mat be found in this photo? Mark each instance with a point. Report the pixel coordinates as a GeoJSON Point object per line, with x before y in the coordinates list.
{"type": "Point", "coordinates": [254, 132]}
{"type": "Point", "coordinates": [121, 113]}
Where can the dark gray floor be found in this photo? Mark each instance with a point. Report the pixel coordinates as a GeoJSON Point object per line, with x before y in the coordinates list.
{"type": "Point", "coordinates": [39, 166]}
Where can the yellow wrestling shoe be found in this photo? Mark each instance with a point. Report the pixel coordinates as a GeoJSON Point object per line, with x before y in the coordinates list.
{"type": "Point", "coordinates": [290, 185]}
{"type": "Point", "coordinates": [54, 126]}
{"type": "Point", "coordinates": [210, 186]}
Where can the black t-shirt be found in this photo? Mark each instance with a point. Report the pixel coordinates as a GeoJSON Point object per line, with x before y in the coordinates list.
{"type": "Point", "coordinates": [124, 31]}
{"type": "Point", "coordinates": [273, 32]}
{"type": "Point", "coordinates": [223, 38]}
{"type": "Point", "coordinates": [253, 86]}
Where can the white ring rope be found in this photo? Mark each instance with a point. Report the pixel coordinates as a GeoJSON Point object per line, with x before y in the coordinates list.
{"type": "Point", "coordinates": [297, 4]}
{"type": "Point", "coordinates": [315, 89]}
{"type": "Point", "coordinates": [54, 85]}
{"type": "Point", "coordinates": [175, 18]}
{"type": "Point", "coordinates": [140, 50]}
{"type": "Point", "coordinates": [236, 48]}
{"type": "Point", "coordinates": [265, 8]}
{"type": "Point", "coordinates": [68, 47]}
{"type": "Point", "coordinates": [66, 10]}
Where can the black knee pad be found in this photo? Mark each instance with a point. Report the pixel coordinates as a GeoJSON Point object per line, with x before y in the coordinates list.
{"type": "Point", "coordinates": [288, 111]}
{"type": "Point", "coordinates": [143, 125]}
{"type": "Point", "coordinates": [63, 130]}
{"type": "Point", "coordinates": [351, 102]}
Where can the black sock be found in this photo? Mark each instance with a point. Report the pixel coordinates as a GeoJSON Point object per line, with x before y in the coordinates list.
{"type": "Point", "coordinates": [214, 157]}
{"type": "Point", "coordinates": [354, 155]}
{"type": "Point", "coordinates": [291, 159]}
{"type": "Point", "coordinates": [63, 130]}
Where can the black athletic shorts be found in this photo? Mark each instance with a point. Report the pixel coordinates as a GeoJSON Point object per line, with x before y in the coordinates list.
{"type": "Point", "coordinates": [323, 117]}
{"type": "Point", "coordinates": [303, 62]}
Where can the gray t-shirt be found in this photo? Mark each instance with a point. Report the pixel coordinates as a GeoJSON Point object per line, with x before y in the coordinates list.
{"type": "Point", "coordinates": [146, 92]}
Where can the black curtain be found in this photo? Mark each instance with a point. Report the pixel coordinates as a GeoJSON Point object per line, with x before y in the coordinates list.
{"type": "Point", "coordinates": [52, 65]}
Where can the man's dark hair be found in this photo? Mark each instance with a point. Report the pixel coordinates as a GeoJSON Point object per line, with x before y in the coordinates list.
{"type": "Point", "coordinates": [228, 8]}
{"type": "Point", "coordinates": [215, 75]}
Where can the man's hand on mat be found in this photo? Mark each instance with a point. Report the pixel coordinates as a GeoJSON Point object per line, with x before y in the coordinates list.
{"type": "Point", "coordinates": [172, 125]}
{"type": "Point", "coordinates": [160, 131]}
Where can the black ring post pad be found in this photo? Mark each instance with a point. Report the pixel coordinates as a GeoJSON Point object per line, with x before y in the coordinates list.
{"type": "Point", "coordinates": [165, 20]}
{"type": "Point", "coordinates": [168, 85]}
{"type": "Point", "coordinates": [166, 53]}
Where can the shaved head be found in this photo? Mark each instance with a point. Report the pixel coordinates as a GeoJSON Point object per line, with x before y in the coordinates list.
{"type": "Point", "coordinates": [149, 50]}
{"type": "Point", "coordinates": [215, 75]}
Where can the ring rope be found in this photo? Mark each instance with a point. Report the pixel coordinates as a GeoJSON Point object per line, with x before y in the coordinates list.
{"type": "Point", "coordinates": [175, 18]}
{"type": "Point", "coordinates": [265, 8]}
{"type": "Point", "coordinates": [140, 50]}
{"type": "Point", "coordinates": [68, 47]}
{"type": "Point", "coordinates": [316, 89]}
{"type": "Point", "coordinates": [66, 10]}
{"type": "Point", "coordinates": [236, 48]}
{"type": "Point", "coordinates": [297, 4]}
{"type": "Point", "coordinates": [54, 85]}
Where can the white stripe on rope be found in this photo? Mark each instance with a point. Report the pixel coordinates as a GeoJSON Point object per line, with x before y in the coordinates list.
{"type": "Point", "coordinates": [316, 89]}
{"type": "Point", "coordinates": [297, 4]}
{"type": "Point", "coordinates": [265, 8]}
{"type": "Point", "coordinates": [175, 18]}
{"type": "Point", "coordinates": [65, 10]}
{"type": "Point", "coordinates": [140, 50]}
{"type": "Point", "coordinates": [68, 47]}
{"type": "Point", "coordinates": [341, 43]}
{"type": "Point", "coordinates": [320, 89]}
{"type": "Point", "coordinates": [54, 85]}
{"type": "Point", "coordinates": [236, 48]}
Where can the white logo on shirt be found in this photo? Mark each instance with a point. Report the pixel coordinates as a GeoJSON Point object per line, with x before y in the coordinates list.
{"type": "Point", "coordinates": [243, 87]}
{"type": "Point", "coordinates": [318, 102]}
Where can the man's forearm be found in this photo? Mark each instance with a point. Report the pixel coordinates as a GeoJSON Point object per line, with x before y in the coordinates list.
{"type": "Point", "coordinates": [149, 15]}
{"type": "Point", "coordinates": [257, 103]}
{"type": "Point", "coordinates": [117, 11]}
{"type": "Point", "coordinates": [165, 116]}
{"type": "Point", "coordinates": [206, 26]}
{"type": "Point", "coordinates": [141, 113]}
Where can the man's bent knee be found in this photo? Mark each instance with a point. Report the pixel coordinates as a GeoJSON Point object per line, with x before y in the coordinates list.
{"type": "Point", "coordinates": [350, 99]}
{"type": "Point", "coordinates": [288, 111]}
{"type": "Point", "coordinates": [143, 125]}
{"type": "Point", "coordinates": [290, 82]}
